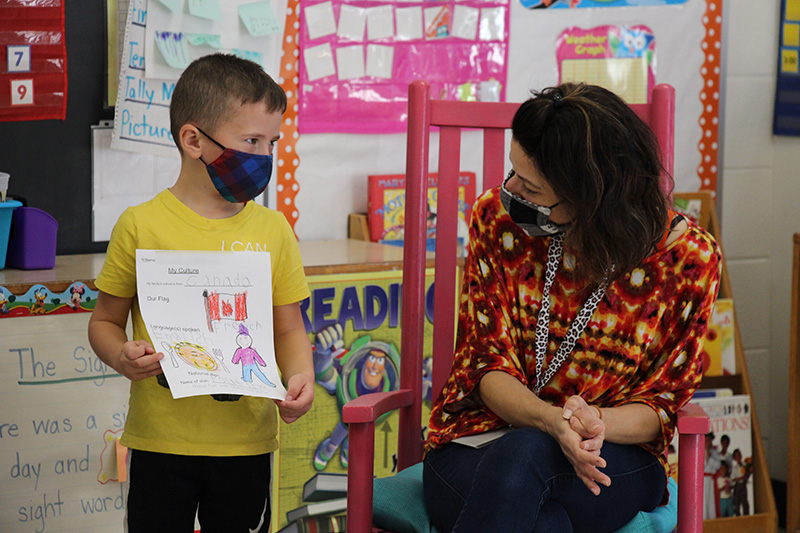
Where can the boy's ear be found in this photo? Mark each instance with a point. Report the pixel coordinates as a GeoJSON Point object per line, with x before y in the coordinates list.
{"type": "Point", "coordinates": [190, 141]}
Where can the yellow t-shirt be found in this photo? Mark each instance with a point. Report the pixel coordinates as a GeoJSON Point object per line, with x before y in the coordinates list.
{"type": "Point", "coordinates": [199, 425]}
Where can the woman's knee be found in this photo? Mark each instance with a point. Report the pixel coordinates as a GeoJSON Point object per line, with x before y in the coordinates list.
{"type": "Point", "coordinates": [522, 457]}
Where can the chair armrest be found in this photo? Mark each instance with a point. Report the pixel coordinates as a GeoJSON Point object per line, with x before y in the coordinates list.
{"type": "Point", "coordinates": [369, 407]}
{"type": "Point", "coordinates": [693, 424]}
{"type": "Point", "coordinates": [360, 414]}
{"type": "Point", "coordinates": [693, 420]}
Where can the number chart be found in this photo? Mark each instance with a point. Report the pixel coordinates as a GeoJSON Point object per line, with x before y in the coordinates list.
{"type": "Point", "coordinates": [33, 61]}
{"type": "Point", "coordinates": [787, 88]}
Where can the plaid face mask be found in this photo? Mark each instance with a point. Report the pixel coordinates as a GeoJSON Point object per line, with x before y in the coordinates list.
{"type": "Point", "coordinates": [239, 176]}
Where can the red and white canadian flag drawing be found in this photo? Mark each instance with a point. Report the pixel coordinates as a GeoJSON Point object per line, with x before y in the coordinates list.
{"type": "Point", "coordinates": [225, 306]}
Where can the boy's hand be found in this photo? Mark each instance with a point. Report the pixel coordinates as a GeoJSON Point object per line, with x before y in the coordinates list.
{"type": "Point", "coordinates": [299, 397]}
{"type": "Point", "coordinates": [138, 360]}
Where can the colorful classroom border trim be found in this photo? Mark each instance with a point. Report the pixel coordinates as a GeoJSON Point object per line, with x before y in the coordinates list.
{"type": "Point", "coordinates": [40, 301]}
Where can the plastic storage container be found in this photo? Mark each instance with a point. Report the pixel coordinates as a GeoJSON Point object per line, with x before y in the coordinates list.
{"type": "Point", "coordinates": [6, 210]}
{"type": "Point", "coordinates": [32, 242]}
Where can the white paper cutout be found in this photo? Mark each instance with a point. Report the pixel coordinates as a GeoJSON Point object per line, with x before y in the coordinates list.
{"type": "Point", "coordinates": [493, 24]}
{"type": "Point", "coordinates": [200, 39]}
{"type": "Point", "coordinates": [350, 62]}
{"type": "Point", "coordinates": [409, 23]}
{"type": "Point", "coordinates": [380, 22]}
{"type": "Point", "coordinates": [352, 21]}
{"type": "Point", "coordinates": [320, 20]}
{"type": "Point", "coordinates": [319, 61]}
{"type": "Point", "coordinates": [173, 5]}
{"type": "Point", "coordinates": [380, 61]}
{"type": "Point", "coordinates": [259, 19]}
{"type": "Point", "coordinates": [206, 9]}
{"type": "Point", "coordinates": [465, 22]}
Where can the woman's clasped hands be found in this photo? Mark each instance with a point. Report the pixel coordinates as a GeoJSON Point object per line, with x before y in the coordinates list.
{"type": "Point", "coordinates": [581, 439]}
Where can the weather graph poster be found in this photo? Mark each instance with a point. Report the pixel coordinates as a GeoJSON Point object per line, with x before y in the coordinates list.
{"type": "Point", "coordinates": [619, 58]}
{"type": "Point", "coordinates": [210, 313]}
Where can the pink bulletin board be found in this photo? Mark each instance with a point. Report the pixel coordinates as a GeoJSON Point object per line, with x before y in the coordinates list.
{"type": "Point", "coordinates": [358, 57]}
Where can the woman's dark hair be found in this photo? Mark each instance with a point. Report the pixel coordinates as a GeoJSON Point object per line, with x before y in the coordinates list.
{"type": "Point", "coordinates": [604, 165]}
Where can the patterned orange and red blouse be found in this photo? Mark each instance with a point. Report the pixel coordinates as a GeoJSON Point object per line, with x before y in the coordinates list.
{"type": "Point", "coordinates": [642, 344]}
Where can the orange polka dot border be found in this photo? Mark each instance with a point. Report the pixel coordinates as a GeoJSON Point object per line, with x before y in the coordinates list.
{"type": "Point", "coordinates": [287, 160]}
{"type": "Point", "coordinates": [708, 144]}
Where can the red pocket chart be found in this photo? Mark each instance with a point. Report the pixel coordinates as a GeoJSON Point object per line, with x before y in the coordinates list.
{"type": "Point", "coordinates": [33, 60]}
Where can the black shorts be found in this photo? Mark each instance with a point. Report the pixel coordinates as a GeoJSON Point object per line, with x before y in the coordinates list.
{"type": "Point", "coordinates": [228, 494]}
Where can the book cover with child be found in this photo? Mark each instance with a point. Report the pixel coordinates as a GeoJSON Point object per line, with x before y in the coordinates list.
{"type": "Point", "coordinates": [719, 346]}
{"type": "Point", "coordinates": [728, 466]}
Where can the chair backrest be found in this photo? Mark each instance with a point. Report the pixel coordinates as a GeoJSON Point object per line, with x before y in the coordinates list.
{"type": "Point", "coordinates": [451, 118]}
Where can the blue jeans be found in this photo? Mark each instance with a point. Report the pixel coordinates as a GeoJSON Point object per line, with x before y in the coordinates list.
{"type": "Point", "coordinates": [523, 482]}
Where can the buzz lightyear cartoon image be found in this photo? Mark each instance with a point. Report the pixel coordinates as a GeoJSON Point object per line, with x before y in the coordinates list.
{"type": "Point", "coordinates": [368, 366]}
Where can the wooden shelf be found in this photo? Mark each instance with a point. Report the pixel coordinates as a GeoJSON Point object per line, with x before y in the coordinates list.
{"type": "Point", "coordinates": [793, 451]}
{"type": "Point", "coordinates": [765, 517]}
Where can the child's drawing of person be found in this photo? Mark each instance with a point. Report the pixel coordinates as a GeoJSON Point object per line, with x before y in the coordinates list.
{"type": "Point", "coordinates": [249, 358]}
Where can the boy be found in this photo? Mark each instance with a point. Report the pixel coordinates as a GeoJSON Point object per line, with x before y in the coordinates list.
{"type": "Point", "coordinates": [200, 454]}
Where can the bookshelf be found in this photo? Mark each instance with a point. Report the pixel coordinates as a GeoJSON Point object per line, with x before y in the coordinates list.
{"type": "Point", "coordinates": [765, 517]}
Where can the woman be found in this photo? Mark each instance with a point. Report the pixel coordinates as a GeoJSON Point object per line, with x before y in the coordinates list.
{"type": "Point", "coordinates": [585, 301]}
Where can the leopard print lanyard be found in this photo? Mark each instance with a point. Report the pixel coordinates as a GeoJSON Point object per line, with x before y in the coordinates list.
{"type": "Point", "coordinates": [554, 253]}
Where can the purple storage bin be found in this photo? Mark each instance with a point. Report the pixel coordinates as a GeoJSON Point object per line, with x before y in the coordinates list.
{"type": "Point", "coordinates": [6, 211]}
{"type": "Point", "coordinates": [32, 245]}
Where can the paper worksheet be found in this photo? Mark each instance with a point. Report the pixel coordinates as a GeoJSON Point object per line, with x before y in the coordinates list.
{"type": "Point", "coordinates": [210, 313]}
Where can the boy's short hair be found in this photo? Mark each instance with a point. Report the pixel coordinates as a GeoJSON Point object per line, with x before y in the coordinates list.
{"type": "Point", "coordinates": [213, 85]}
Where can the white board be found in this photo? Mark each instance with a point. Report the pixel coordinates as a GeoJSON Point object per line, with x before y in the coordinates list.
{"type": "Point", "coordinates": [60, 410]}
{"type": "Point", "coordinates": [121, 179]}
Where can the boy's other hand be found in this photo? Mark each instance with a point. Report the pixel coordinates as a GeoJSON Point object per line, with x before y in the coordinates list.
{"type": "Point", "coordinates": [138, 360]}
{"type": "Point", "coordinates": [299, 397]}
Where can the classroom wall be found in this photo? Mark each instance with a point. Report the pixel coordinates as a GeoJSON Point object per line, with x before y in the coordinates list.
{"type": "Point", "coordinates": [50, 161]}
{"type": "Point", "coordinates": [332, 167]}
{"type": "Point", "coordinates": [758, 208]}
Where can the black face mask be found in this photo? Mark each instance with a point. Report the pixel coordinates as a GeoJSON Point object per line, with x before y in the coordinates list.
{"type": "Point", "coordinates": [534, 219]}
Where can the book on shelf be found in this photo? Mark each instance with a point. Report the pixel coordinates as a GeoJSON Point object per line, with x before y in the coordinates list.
{"type": "Point", "coordinates": [728, 466]}
{"type": "Point", "coordinates": [317, 524]}
{"type": "Point", "coordinates": [327, 507]}
{"type": "Point", "coordinates": [386, 207]}
{"type": "Point", "coordinates": [325, 486]}
{"type": "Point", "coordinates": [690, 208]}
{"type": "Point", "coordinates": [719, 345]}
{"type": "Point", "coordinates": [712, 393]}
